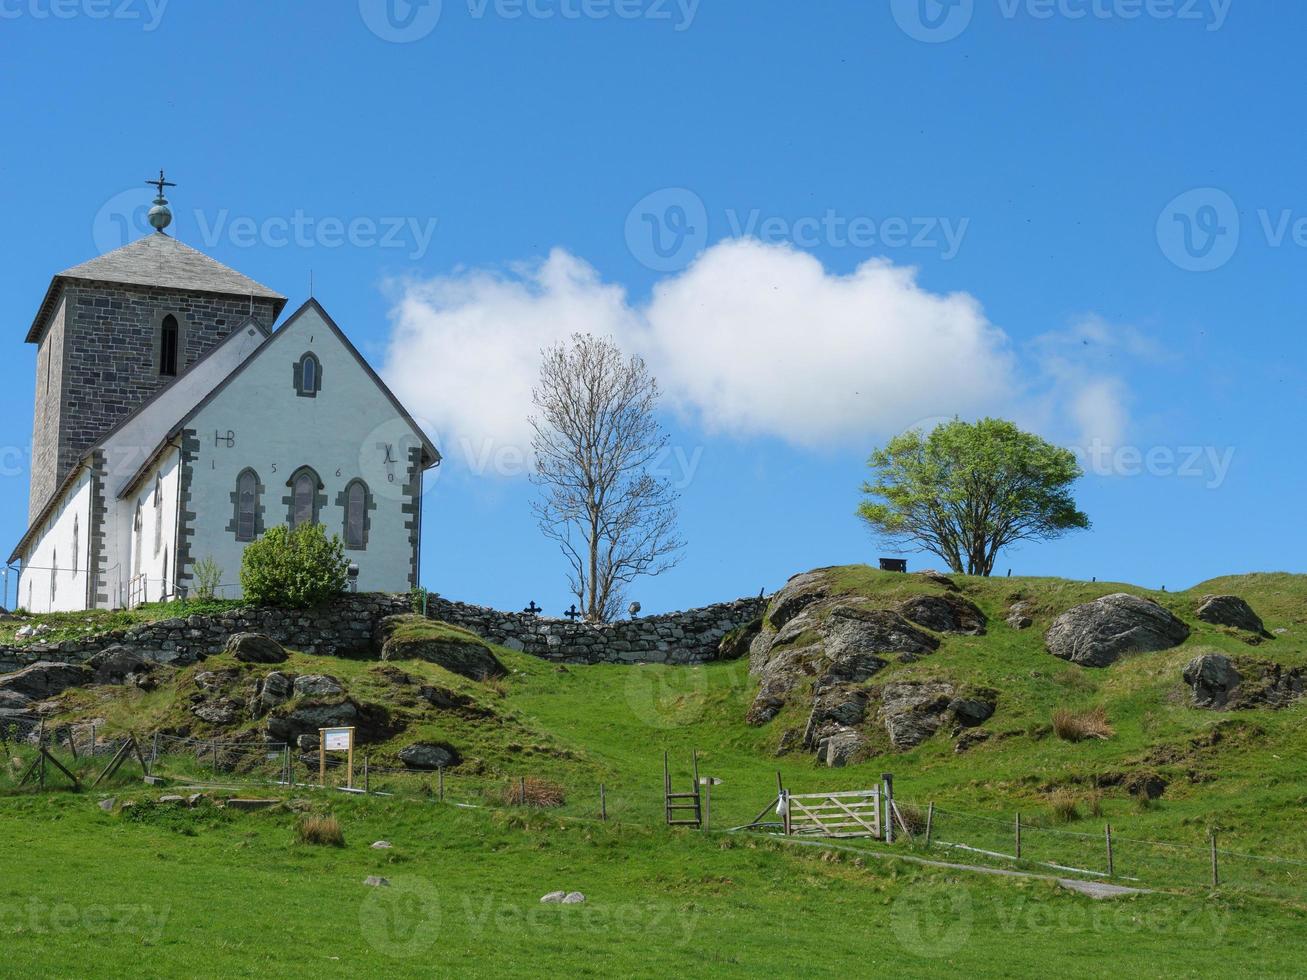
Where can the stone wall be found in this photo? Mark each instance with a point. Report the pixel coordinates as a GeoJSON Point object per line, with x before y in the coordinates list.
{"type": "Point", "coordinates": [688, 637]}
{"type": "Point", "coordinates": [347, 626]}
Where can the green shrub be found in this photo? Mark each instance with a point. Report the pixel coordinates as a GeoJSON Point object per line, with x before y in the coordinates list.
{"type": "Point", "coordinates": [208, 576]}
{"type": "Point", "coordinates": [295, 568]}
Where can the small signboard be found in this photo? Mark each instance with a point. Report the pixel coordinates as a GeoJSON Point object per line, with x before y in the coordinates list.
{"type": "Point", "coordinates": [336, 740]}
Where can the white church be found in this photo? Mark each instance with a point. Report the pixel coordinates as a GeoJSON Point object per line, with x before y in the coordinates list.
{"type": "Point", "coordinates": [174, 423]}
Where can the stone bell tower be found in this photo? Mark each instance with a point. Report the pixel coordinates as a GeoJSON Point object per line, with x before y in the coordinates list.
{"type": "Point", "coordinates": [113, 331]}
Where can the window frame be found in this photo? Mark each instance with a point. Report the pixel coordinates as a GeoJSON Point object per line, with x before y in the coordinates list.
{"type": "Point", "coordinates": [303, 390]}
{"type": "Point", "coordinates": [368, 505]}
{"type": "Point", "coordinates": [318, 498]}
{"type": "Point", "coordinates": [256, 526]}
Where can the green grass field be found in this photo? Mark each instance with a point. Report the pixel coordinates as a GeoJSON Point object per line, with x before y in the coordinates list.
{"type": "Point", "coordinates": [210, 892]}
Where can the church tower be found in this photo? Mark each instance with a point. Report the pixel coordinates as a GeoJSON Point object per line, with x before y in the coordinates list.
{"type": "Point", "coordinates": [113, 331]}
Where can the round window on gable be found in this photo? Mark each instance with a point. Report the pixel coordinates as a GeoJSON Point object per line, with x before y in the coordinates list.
{"type": "Point", "coordinates": [308, 375]}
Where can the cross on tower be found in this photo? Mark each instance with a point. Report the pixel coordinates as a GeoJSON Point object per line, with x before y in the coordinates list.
{"type": "Point", "coordinates": [161, 183]}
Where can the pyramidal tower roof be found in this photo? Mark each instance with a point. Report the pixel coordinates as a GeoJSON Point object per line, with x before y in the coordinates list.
{"type": "Point", "coordinates": [159, 260]}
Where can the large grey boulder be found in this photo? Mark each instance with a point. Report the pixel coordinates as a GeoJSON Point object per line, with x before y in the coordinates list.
{"type": "Point", "coordinates": [44, 679]}
{"type": "Point", "coordinates": [223, 711]}
{"type": "Point", "coordinates": [1230, 610]}
{"type": "Point", "coordinates": [255, 648]}
{"type": "Point", "coordinates": [274, 690]}
{"type": "Point", "coordinates": [852, 630]}
{"type": "Point", "coordinates": [317, 685]}
{"type": "Point", "coordinates": [429, 756]}
{"type": "Point", "coordinates": [840, 747]}
{"type": "Point", "coordinates": [372, 723]}
{"type": "Point", "coordinates": [800, 592]}
{"type": "Point", "coordinates": [948, 613]}
{"type": "Point", "coordinates": [14, 700]}
{"type": "Point", "coordinates": [1099, 633]}
{"type": "Point", "coordinates": [1212, 678]}
{"type": "Point", "coordinates": [114, 664]}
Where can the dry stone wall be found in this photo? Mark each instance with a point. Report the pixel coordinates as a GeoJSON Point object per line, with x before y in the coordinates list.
{"type": "Point", "coordinates": [347, 626]}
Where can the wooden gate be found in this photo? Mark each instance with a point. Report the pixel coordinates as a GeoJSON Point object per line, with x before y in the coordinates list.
{"type": "Point", "coordinates": [854, 813]}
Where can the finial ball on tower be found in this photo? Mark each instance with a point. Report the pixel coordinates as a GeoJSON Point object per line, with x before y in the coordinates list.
{"type": "Point", "coordinates": [160, 216]}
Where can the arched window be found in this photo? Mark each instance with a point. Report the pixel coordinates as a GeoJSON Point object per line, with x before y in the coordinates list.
{"type": "Point", "coordinates": [137, 535]}
{"type": "Point", "coordinates": [247, 506]}
{"type": "Point", "coordinates": [304, 499]}
{"type": "Point", "coordinates": [169, 341]}
{"type": "Point", "coordinates": [76, 538]}
{"type": "Point", "coordinates": [158, 514]}
{"type": "Point", "coordinates": [308, 375]}
{"type": "Point", "coordinates": [356, 501]}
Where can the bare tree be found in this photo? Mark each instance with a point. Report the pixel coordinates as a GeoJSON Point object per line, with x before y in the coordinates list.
{"type": "Point", "coordinates": [595, 440]}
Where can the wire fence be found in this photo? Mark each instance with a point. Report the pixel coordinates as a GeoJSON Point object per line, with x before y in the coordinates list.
{"type": "Point", "coordinates": [88, 750]}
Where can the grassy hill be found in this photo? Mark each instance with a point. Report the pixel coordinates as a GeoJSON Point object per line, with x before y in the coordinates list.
{"type": "Point", "coordinates": [1240, 774]}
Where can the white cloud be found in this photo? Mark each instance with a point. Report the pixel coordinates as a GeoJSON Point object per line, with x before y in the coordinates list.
{"type": "Point", "coordinates": [751, 340]}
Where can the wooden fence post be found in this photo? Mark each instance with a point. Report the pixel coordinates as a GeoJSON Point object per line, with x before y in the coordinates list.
{"type": "Point", "coordinates": [521, 791]}
{"type": "Point", "coordinates": [1216, 871]}
{"type": "Point", "coordinates": [887, 785]}
{"type": "Point", "coordinates": [367, 779]}
{"type": "Point", "coordinates": [930, 822]}
{"type": "Point", "coordinates": [1111, 864]}
{"type": "Point", "coordinates": [1018, 855]}
{"type": "Point", "coordinates": [603, 803]}
{"type": "Point", "coordinates": [440, 776]}
{"type": "Point", "coordinates": [154, 750]}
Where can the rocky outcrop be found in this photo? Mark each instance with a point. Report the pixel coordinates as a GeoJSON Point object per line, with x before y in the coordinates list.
{"type": "Point", "coordinates": [913, 711]}
{"type": "Point", "coordinates": [220, 711]}
{"type": "Point", "coordinates": [371, 722]}
{"type": "Point", "coordinates": [113, 665]}
{"type": "Point", "coordinates": [1212, 677]}
{"type": "Point", "coordinates": [317, 685]}
{"type": "Point", "coordinates": [44, 679]}
{"type": "Point", "coordinates": [255, 648]}
{"type": "Point", "coordinates": [412, 638]}
{"type": "Point", "coordinates": [1230, 610]}
{"type": "Point", "coordinates": [947, 613]}
{"type": "Point", "coordinates": [1219, 683]}
{"type": "Point", "coordinates": [834, 642]}
{"type": "Point", "coordinates": [429, 756]}
{"type": "Point", "coordinates": [1020, 615]}
{"type": "Point", "coordinates": [274, 690]}
{"type": "Point", "coordinates": [1099, 633]}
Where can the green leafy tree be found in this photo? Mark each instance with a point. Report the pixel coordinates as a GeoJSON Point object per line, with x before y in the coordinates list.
{"type": "Point", "coordinates": [295, 568]}
{"type": "Point", "coordinates": [964, 492]}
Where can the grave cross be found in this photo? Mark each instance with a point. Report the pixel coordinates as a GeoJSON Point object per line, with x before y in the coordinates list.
{"type": "Point", "coordinates": [533, 609]}
{"type": "Point", "coordinates": [574, 614]}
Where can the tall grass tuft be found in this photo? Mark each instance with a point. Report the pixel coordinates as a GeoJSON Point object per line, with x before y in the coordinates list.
{"type": "Point", "coordinates": [533, 791]}
{"type": "Point", "coordinates": [1078, 726]}
{"type": "Point", "coordinates": [1064, 807]}
{"type": "Point", "coordinates": [315, 829]}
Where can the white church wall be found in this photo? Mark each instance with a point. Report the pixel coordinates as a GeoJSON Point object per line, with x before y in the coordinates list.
{"type": "Point", "coordinates": [259, 421]}
{"type": "Point", "coordinates": [54, 572]}
{"type": "Point", "coordinates": [143, 569]}
{"type": "Point", "coordinates": [129, 447]}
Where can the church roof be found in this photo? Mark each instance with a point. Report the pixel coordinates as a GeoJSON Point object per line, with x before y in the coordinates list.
{"type": "Point", "coordinates": [156, 260]}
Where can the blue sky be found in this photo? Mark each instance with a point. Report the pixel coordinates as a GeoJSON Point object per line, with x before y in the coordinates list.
{"type": "Point", "coordinates": [1085, 215]}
